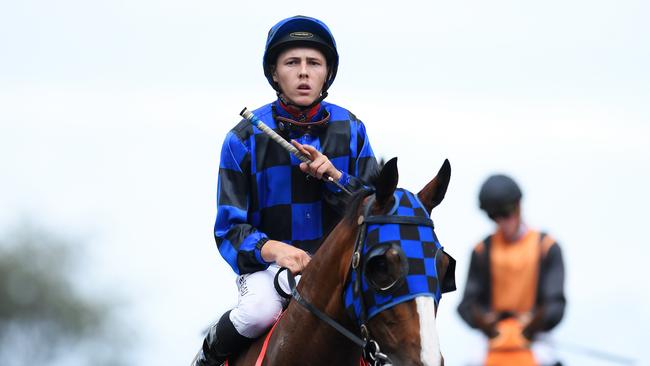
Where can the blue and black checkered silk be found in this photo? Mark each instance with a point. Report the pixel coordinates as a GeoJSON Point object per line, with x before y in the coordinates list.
{"type": "Point", "coordinates": [263, 194]}
{"type": "Point", "coordinates": [419, 244]}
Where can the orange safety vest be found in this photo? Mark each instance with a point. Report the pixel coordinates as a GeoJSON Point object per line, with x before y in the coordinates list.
{"type": "Point", "coordinates": [514, 269]}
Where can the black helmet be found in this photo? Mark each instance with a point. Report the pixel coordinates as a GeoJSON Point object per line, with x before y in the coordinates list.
{"type": "Point", "coordinates": [499, 196]}
{"type": "Point", "coordinates": [300, 31]}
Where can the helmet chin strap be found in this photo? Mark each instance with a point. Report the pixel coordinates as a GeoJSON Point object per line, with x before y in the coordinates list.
{"type": "Point", "coordinates": [301, 108]}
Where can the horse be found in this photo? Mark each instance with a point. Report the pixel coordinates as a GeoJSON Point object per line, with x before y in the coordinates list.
{"type": "Point", "coordinates": [358, 283]}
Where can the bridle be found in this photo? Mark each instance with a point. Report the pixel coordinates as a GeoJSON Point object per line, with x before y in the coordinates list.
{"type": "Point", "coordinates": [371, 350]}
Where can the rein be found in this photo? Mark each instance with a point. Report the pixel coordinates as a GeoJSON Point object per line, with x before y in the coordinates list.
{"type": "Point", "coordinates": [370, 347]}
{"type": "Point", "coordinates": [371, 350]}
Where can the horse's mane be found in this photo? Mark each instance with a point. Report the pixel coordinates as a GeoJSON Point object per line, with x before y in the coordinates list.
{"type": "Point", "coordinates": [354, 201]}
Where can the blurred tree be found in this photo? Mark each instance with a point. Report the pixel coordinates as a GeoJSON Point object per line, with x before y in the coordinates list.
{"type": "Point", "coordinates": [44, 317]}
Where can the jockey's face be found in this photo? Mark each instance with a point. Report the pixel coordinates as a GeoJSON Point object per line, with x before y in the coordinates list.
{"type": "Point", "coordinates": [300, 72]}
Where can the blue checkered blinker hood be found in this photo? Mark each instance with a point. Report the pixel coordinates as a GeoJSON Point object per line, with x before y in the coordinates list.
{"type": "Point", "coordinates": [408, 232]}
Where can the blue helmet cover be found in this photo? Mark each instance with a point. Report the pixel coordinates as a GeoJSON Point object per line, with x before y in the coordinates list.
{"type": "Point", "coordinates": [279, 36]}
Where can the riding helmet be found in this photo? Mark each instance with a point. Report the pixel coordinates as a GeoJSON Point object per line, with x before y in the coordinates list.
{"type": "Point", "coordinates": [499, 195]}
{"type": "Point", "coordinates": [299, 31]}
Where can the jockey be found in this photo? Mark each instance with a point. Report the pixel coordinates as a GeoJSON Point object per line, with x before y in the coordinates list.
{"type": "Point", "coordinates": [271, 211]}
{"type": "Point", "coordinates": [514, 292]}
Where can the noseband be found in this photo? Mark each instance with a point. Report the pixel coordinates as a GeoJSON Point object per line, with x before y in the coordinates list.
{"type": "Point", "coordinates": [371, 350]}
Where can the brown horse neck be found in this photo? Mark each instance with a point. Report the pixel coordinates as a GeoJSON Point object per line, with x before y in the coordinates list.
{"type": "Point", "coordinates": [302, 338]}
{"type": "Point", "coordinates": [325, 277]}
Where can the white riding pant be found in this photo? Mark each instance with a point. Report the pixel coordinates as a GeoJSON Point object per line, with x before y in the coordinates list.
{"type": "Point", "coordinates": [259, 304]}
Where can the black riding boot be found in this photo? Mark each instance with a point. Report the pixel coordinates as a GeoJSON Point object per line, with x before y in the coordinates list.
{"type": "Point", "coordinates": [221, 342]}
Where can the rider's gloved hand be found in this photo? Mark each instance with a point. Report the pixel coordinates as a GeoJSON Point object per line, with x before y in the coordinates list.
{"type": "Point", "coordinates": [486, 322]}
{"type": "Point", "coordinates": [533, 322]}
{"type": "Point", "coordinates": [285, 255]}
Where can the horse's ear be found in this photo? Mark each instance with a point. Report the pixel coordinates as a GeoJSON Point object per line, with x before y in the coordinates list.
{"type": "Point", "coordinates": [434, 192]}
{"type": "Point", "coordinates": [387, 182]}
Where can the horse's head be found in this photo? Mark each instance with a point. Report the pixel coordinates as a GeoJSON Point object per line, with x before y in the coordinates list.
{"type": "Point", "coordinates": [399, 269]}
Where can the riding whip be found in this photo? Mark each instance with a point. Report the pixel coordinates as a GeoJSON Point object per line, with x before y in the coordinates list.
{"type": "Point", "coordinates": [250, 117]}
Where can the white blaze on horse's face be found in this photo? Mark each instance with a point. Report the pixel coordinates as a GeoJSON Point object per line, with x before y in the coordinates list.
{"type": "Point", "coordinates": [430, 352]}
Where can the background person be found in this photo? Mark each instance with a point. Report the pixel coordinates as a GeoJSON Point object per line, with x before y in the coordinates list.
{"type": "Point", "coordinates": [514, 292]}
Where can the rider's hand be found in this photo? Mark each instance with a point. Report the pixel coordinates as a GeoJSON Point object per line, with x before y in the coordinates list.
{"type": "Point", "coordinates": [486, 322]}
{"type": "Point", "coordinates": [319, 165]}
{"type": "Point", "coordinates": [532, 322]}
{"type": "Point", "coordinates": [285, 255]}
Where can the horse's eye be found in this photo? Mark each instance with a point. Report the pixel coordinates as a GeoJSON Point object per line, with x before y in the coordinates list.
{"type": "Point", "coordinates": [385, 270]}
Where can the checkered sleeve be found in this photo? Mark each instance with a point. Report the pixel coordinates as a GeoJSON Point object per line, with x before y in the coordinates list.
{"type": "Point", "coordinates": [476, 298]}
{"type": "Point", "coordinates": [551, 288]}
{"type": "Point", "coordinates": [239, 243]}
{"type": "Point", "coordinates": [363, 164]}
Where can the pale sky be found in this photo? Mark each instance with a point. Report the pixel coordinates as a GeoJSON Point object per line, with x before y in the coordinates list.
{"type": "Point", "coordinates": [112, 115]}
